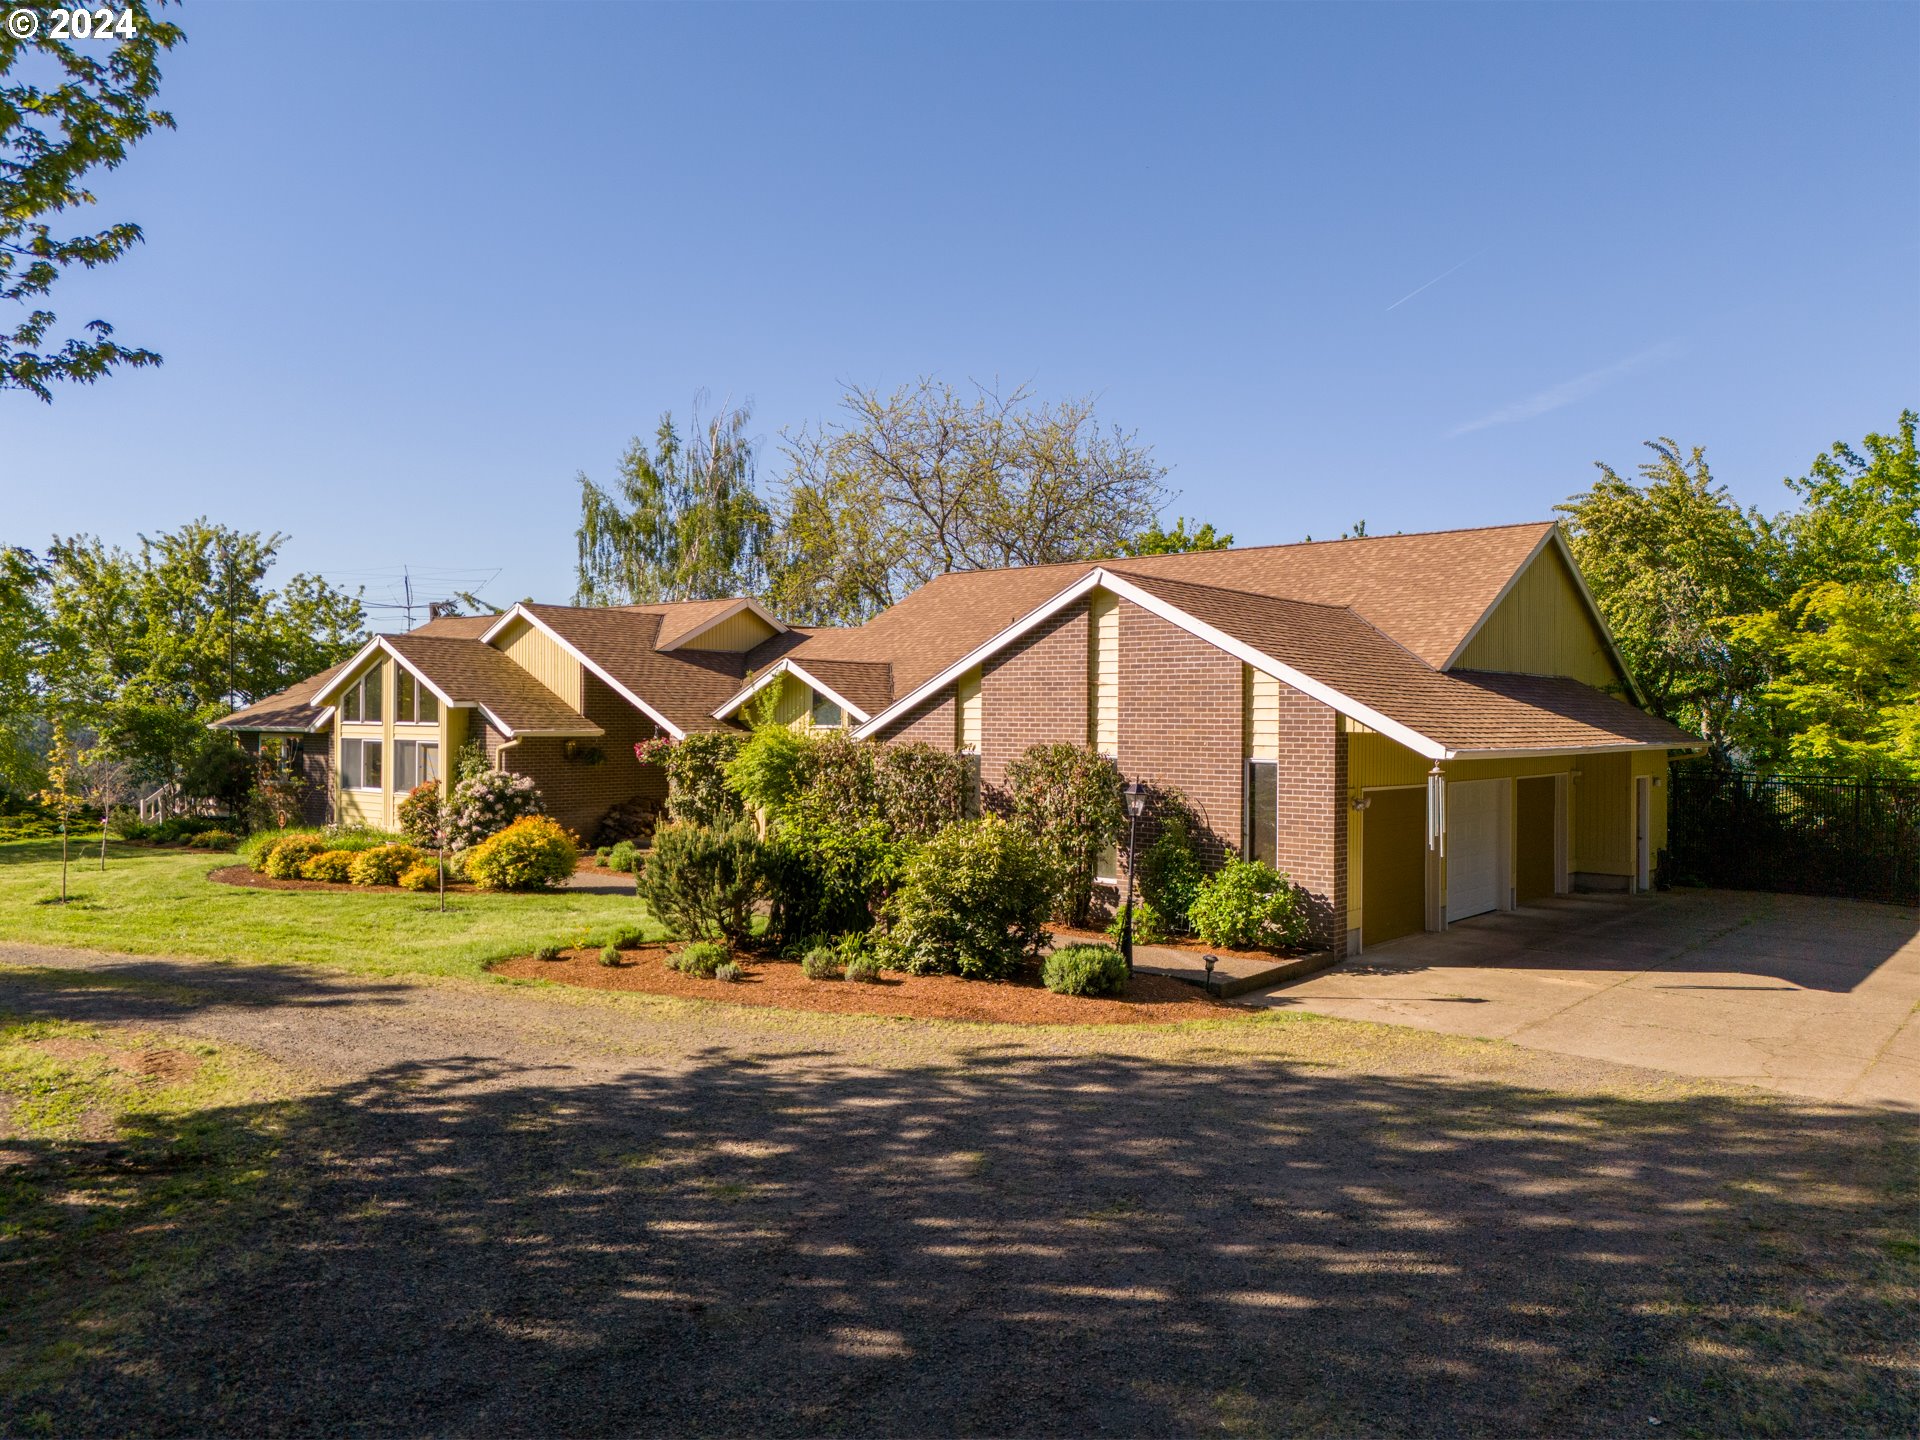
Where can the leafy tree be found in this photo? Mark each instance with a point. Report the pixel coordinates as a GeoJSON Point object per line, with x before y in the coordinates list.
{"type": "Point", "coordinates": [1157, 540]}
{"type": "Point", "coordinates": [1861, 515]}
{"type": "Point", "coordinates": [67, 109]}
{"type": "Point", "coordinates": [22, 632]}
{"type": "Point", "coordinates": [1671, 560]}
{"type": "Point", "coordinates": [924, 480]}
{"type": "Point", "coordinates": [682, 522]}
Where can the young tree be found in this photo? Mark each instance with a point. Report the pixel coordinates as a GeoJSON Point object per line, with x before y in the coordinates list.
{"type": "Point", "coordinates": [68, 108]}
{"type": "Point", "coordinates": [62, 793]}
{"type": "Point", "coordinates": [926, 480]}
{"type": "Point", "coordinates": [1671, 560]}
{"type": "Point", "coordinates": [683, 521]}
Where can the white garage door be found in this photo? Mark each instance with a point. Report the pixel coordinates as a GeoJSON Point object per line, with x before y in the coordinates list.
{"type": "Point", "coordinates": [1476, 856]}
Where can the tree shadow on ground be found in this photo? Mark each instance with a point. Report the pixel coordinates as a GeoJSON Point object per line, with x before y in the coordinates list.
{"type": "Point", "coordinates": [1024, 1244]}
{"type": "Point", "coordinates": [161, 991]}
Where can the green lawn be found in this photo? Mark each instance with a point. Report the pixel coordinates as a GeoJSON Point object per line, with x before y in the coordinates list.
{"type": "Point", "coordinates": [160, 902]}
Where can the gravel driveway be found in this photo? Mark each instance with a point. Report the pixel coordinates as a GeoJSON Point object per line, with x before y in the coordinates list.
{"type": "Point", "coordinates": [510, 1209]}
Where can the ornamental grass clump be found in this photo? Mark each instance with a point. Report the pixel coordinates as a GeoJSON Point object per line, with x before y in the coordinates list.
{"type": "Point", "coordinates": [1248, 905]}
{"type": "Point", "coordinates": [729, 972]}
{"type": "Point", "coordinates": [702, 959]}
{"type": "Point", "coordinates": [533, 853]}
{"type": "Point", "coordinates": [1085, 970]}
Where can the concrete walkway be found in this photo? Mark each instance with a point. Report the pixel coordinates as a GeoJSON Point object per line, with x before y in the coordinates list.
{"type": "Point", "coordinates": [1804, 995]}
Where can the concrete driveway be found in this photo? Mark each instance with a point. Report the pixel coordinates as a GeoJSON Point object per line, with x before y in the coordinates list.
{"type": "Point", "coordinates": [1798, 994]}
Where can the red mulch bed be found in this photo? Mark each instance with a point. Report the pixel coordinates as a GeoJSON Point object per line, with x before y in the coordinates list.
{"type": "Point", "coordinates": [249, 879]}
{"type": "Point", "coordinates": [1184, 943]}
{"type": "Point", "coordinates": [1150, 1000]}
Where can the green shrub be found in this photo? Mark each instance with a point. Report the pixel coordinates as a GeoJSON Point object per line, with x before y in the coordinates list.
{"type": "Point", "coordinates": [864, 969]}
{"type": "Point", "coordinates": [286, 858]}
{"type": "Point", "coordinates": [533, 853]}
{"type": "Point", "coordinates": [820, 963]}
{"type": "Point", "coordinates": [701, 959]}
{"type": "Point", "coordinates": [333, 866]}
{"type": "Point", "coordinates": [920, 789]}
{"type": "Point", "coordinates": [697, 790]}
{"type": "Point", "coordinates": [120, 817]}
{"type": "Point", "coordinates": [213, 840]}
{"type": "Point", "coordinates": [424, 875]}
{"type": "Point", "coordinates": [259, 845]}
{"type": "Point", "coordinates": [1248, 905]}
{"type": "Point", "coordinates": [609, 954]}
{"type": "Point", "coordinates": [623, 856]}
{"type": "Point", "coordinates": [383, 864]}
{"type": "Point", "coordinates": [627, 937]}
{"type": "Point", "coordinates": [974, 901]}
{"type": "Point", "coordinates": [1069, 796]}
{"type": "Point", "coordinates": [126, 830]}
{"type": "Point", "coordinates": [1171, 873]}
{"type": "Point", "coordinates": [703, 882]}
{"type": "Point", "coordinates": [1148, 927]}
{"type": "Point", "coordinates": [828, 875]}
{"type": "Point", "coordinates": [549, 952]}
{"type": "Point", "coordinates": [770, 768]}
{"type": "Point", "coordinates": [729, 972]}
{"type": "Point", "coordinates": [422, 816]}
{"type": "Point", "coordinates": [1085, 970]}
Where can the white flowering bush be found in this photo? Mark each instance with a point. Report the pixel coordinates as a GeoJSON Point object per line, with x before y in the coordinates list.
{"type": "Point", "coordinates": [486, 802]}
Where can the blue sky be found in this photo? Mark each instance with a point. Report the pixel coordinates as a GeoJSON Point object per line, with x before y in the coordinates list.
{"type": "Point", "coordinates": [413, 267]}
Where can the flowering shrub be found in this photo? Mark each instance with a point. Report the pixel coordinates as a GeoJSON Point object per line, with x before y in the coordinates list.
{"type": "Point", "coordinates": [1247, 904]}
{"type": "Point", "coordinates": [333, 866]}
{"type": "Point", "coordinates": [530, 854]}
{"type": "Point", "coordinates": [487, 802]}
{"type": "Point", "coordinates": [421, 814]}
{"type": "Point", "coordinates": [383, 865]}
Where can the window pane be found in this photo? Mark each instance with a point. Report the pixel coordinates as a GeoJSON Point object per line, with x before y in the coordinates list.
{"type": "Point", "coordinates": [349, 764]}
{"type": "Point", "coordinates": [370, 763]}
{"type": "Point", "coordinates": [403, 756]}
{"type": "Point", "coordinates": [350, 704]}
{"type": "Point", "coordinates": [1263, 811]}
{"type": "Point", "coordinates": [429, 762]}
{"type": "Point", "coordinates": [371, 704]}
{"type": "Point", "coordinates": [429, 704]}
{"type": "Point", "coordinates": [402, 695]}
{"type": "Point", "coordinates": [970, 785]}
{"type": "Point", "coordinates": [825, 712]}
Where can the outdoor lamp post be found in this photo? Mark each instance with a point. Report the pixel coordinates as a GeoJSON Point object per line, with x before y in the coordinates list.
{"type": "Point", "coordinates": [1135, 794]}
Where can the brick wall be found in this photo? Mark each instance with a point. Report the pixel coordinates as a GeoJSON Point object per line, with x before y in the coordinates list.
{"type": "Point", "coordinates": [1033, 693]}
{"type": "Point", "coordinates": [933, 722]}
{"type": "Point", "coordinates": [579, 795]}
{"type": "Point", "coordinates": [1312, 793]}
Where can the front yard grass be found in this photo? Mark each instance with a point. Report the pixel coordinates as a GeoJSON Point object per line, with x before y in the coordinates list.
{"type": "Point", "coordinates": [160, 902]}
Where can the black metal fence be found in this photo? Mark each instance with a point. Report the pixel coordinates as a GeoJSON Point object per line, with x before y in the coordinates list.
{"type": "Point", "coordinates": [1814, 835]}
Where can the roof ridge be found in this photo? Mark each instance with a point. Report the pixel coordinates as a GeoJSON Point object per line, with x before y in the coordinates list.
{"type": "Point", "coordinates": [1138, 576]}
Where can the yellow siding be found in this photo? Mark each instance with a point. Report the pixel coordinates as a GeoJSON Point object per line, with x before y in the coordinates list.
{"type": "Point", "coordinates": [1603, 815]}
{"type": "Point", "coordinates": [381, 808]}
{"type": "Point", "coordinates": [1260, 713]}
{"type": "Point", "coordinates": [794, 709]}
{"type": "Point", "coordinates": [733, 635]}
{"type": "Point", "coordinates": [1103, 673]}
{"type": "Point", "coordinates": [537, 653]}
{"type": "Point", "coordinates": [1543, 627]}
{"type": "Point", "coordinates": [967, 711]}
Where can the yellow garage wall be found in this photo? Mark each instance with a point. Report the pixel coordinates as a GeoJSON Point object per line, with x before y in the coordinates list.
{"type": "Point", "coordinates": [1260, 713]}
{"type": "Point", "coordinates": [1543, 627]}
{"type": "Point", "coordinates": [966, 716]}
{"type": "Point", "coordinates": [1103, 673]}
{"type": "Point", "coordinates": [733, 635]}
{"type": "Point", "coordinates": [1600, 799]}
{"type": "Point", "coordinates": [542, 657]}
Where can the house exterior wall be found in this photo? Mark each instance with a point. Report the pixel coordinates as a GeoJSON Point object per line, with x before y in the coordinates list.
{"type": "Point", "coordinates": [1033, 692]}
{"type": "Point", "coordinates": [734, 635]}
{"type": "Point", "coordinates": [542, 657]}
{"type": "Point", "coordinates": [579, 791]}
{"type": "Point", "coordinates": [935, 722]}
{"type": "Point", "coordinates": [1544, 627]}
{"type": "Point", "coordinates": [315, 767]}
{"type": "Point", "coordinates": [380, 808]}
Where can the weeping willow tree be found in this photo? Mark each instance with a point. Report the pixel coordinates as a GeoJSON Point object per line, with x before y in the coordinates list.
{"type": "Point", "coordinates": [682, 520]}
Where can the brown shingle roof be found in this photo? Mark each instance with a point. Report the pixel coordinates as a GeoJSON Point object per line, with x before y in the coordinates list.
{"type": "Point", "coordinates": [867, 684]}
{"type": "Point", "coordinates": [1459, 710]}
{"type": "Point", "coordinates": [289, 710]}
{"type": "Point", "coordinates": [470, 672]}
{"type": "Point", "coordinates": [683, 685]}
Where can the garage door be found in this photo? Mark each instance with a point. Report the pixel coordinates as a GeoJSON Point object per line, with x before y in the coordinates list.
{"type": "Point", "coordinates": [1476, 858]}
{"type": "Point", "coordinates": [1393, 857]}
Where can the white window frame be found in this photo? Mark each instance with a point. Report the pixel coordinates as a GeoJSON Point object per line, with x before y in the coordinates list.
{"type": "Point", "coordinates": [353, 703]}
{"type": "Point", "coordinates": [412, 694]}
{"type": "Point", "coordinates": [358, 770]}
